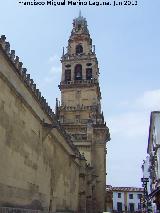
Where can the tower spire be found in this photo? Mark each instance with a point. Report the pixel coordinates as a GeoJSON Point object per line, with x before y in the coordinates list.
{"type": "Point", "coordinates": [80, 14]}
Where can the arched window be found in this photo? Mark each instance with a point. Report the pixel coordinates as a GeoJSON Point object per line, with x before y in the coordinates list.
{"type": "Point", "coordinates": [78, 72]}
{"type": "Point", "coordinates": [79, 49]}
{"type": "Point", "coordinates": [88, 73]}
{"type": "Point", "coordinates": [68, 75]}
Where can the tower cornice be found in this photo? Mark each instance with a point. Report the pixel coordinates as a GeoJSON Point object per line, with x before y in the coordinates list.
{"type": "Point", "coordinates": [80, 57]}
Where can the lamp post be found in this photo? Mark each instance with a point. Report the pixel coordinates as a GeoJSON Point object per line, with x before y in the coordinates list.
{"type": "Point", "coordinates": [146, 201]}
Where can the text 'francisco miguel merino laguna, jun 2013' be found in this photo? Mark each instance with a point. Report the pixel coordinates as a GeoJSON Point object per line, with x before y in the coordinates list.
{"type": "Point", "coordinates": [78, 2]}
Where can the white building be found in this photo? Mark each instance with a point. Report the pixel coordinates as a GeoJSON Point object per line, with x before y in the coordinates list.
{"type": "Point", "coordinates": [154, 158]}
{"type": "Point", "coordinates": [126, 199]}
{"type": "Point", "coordinates": [146, 172]}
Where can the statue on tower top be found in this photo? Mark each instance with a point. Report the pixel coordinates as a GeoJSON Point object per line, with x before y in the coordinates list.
{"type": "Point", "coordinates": [79, 25]}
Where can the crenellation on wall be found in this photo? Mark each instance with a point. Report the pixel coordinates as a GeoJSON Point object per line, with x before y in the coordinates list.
{"type": "Point", "coordinates": [39, 164]}
{"type": "Point", "coordinates": [24, 76]}
{"type": "Point", "coordinates": [41, 99]}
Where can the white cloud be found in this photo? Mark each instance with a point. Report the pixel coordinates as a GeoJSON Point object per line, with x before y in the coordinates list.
{"type": "Point", "coordinates": [54, 58]}
{"type": "Point", "coordinates": [135, 122]}
{"type": "Point", "coordinates": [149, 101]}
{"type": "Point", "coordinates": [129, 134]}
{"type": "Point", "coordinates": [53, 75]}
{"type": "Point", "coordinates": [55, 70]}
{"type": "Point", "coordinates": [130, 125]}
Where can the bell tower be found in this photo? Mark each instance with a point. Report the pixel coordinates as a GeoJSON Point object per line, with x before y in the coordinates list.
{"type": "Point", "coordinates": [80, 109]}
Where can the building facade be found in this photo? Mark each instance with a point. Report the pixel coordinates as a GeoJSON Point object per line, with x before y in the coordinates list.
{"type": "Point", "coordinates": [80, 110]}
{"type": "Point", "coordinates": [53, 162]}
{"type": "Point", "coordinates": [127, 199]}
{"type": "Point", "coordinates": [153, 163]}
{"type": "Point", "coordinates": [146, 173]}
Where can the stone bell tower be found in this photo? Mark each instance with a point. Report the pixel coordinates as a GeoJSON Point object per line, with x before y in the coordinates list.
{"type": "Point", "coordinates": [80, 110]}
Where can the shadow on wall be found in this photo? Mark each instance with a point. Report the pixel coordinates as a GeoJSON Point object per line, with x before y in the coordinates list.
{"type": "Point", "coordinates": [35, 205]}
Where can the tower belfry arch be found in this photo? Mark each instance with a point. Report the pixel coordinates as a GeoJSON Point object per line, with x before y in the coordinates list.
{"type": "Point", "coordinates": [80, 110]}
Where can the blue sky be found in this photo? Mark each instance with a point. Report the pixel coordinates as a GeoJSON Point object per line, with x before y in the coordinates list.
{"type": "Point", "coordinates": [127, 43]}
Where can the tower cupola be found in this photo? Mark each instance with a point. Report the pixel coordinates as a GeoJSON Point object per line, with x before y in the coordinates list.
{"type": "Point", "coordinates": [80, 25]}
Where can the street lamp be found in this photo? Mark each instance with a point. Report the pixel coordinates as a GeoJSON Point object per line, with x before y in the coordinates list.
{"type": "Point", "coordinates": [147, 203]}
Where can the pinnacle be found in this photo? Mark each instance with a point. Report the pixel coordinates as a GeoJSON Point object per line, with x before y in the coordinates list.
{"type": "Point", "coordinates": [80, 14]}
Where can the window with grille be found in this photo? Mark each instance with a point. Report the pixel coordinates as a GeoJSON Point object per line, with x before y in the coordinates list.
{"type": "Point", "coordinates": [119, 195]}
{"type": "Point", "coordinates": [139, 196]}
{"type": "Point", "coordinates": [130, 196]}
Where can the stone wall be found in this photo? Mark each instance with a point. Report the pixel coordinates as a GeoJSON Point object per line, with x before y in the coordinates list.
{"type": "Point", "coordinates": [38, 166]}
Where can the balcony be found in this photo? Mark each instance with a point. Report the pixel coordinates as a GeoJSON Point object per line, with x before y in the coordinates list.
{"type": "Point", "coordinates": [75, 83]}
{"type": "Point", "coordinates": [72, 57]}
{"type": "Point", "coordinates": [78, 107]}
{"type": "Point", "coordinates": [75, 122]}
{"type": "Point", "coordinates": [79, 137]}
